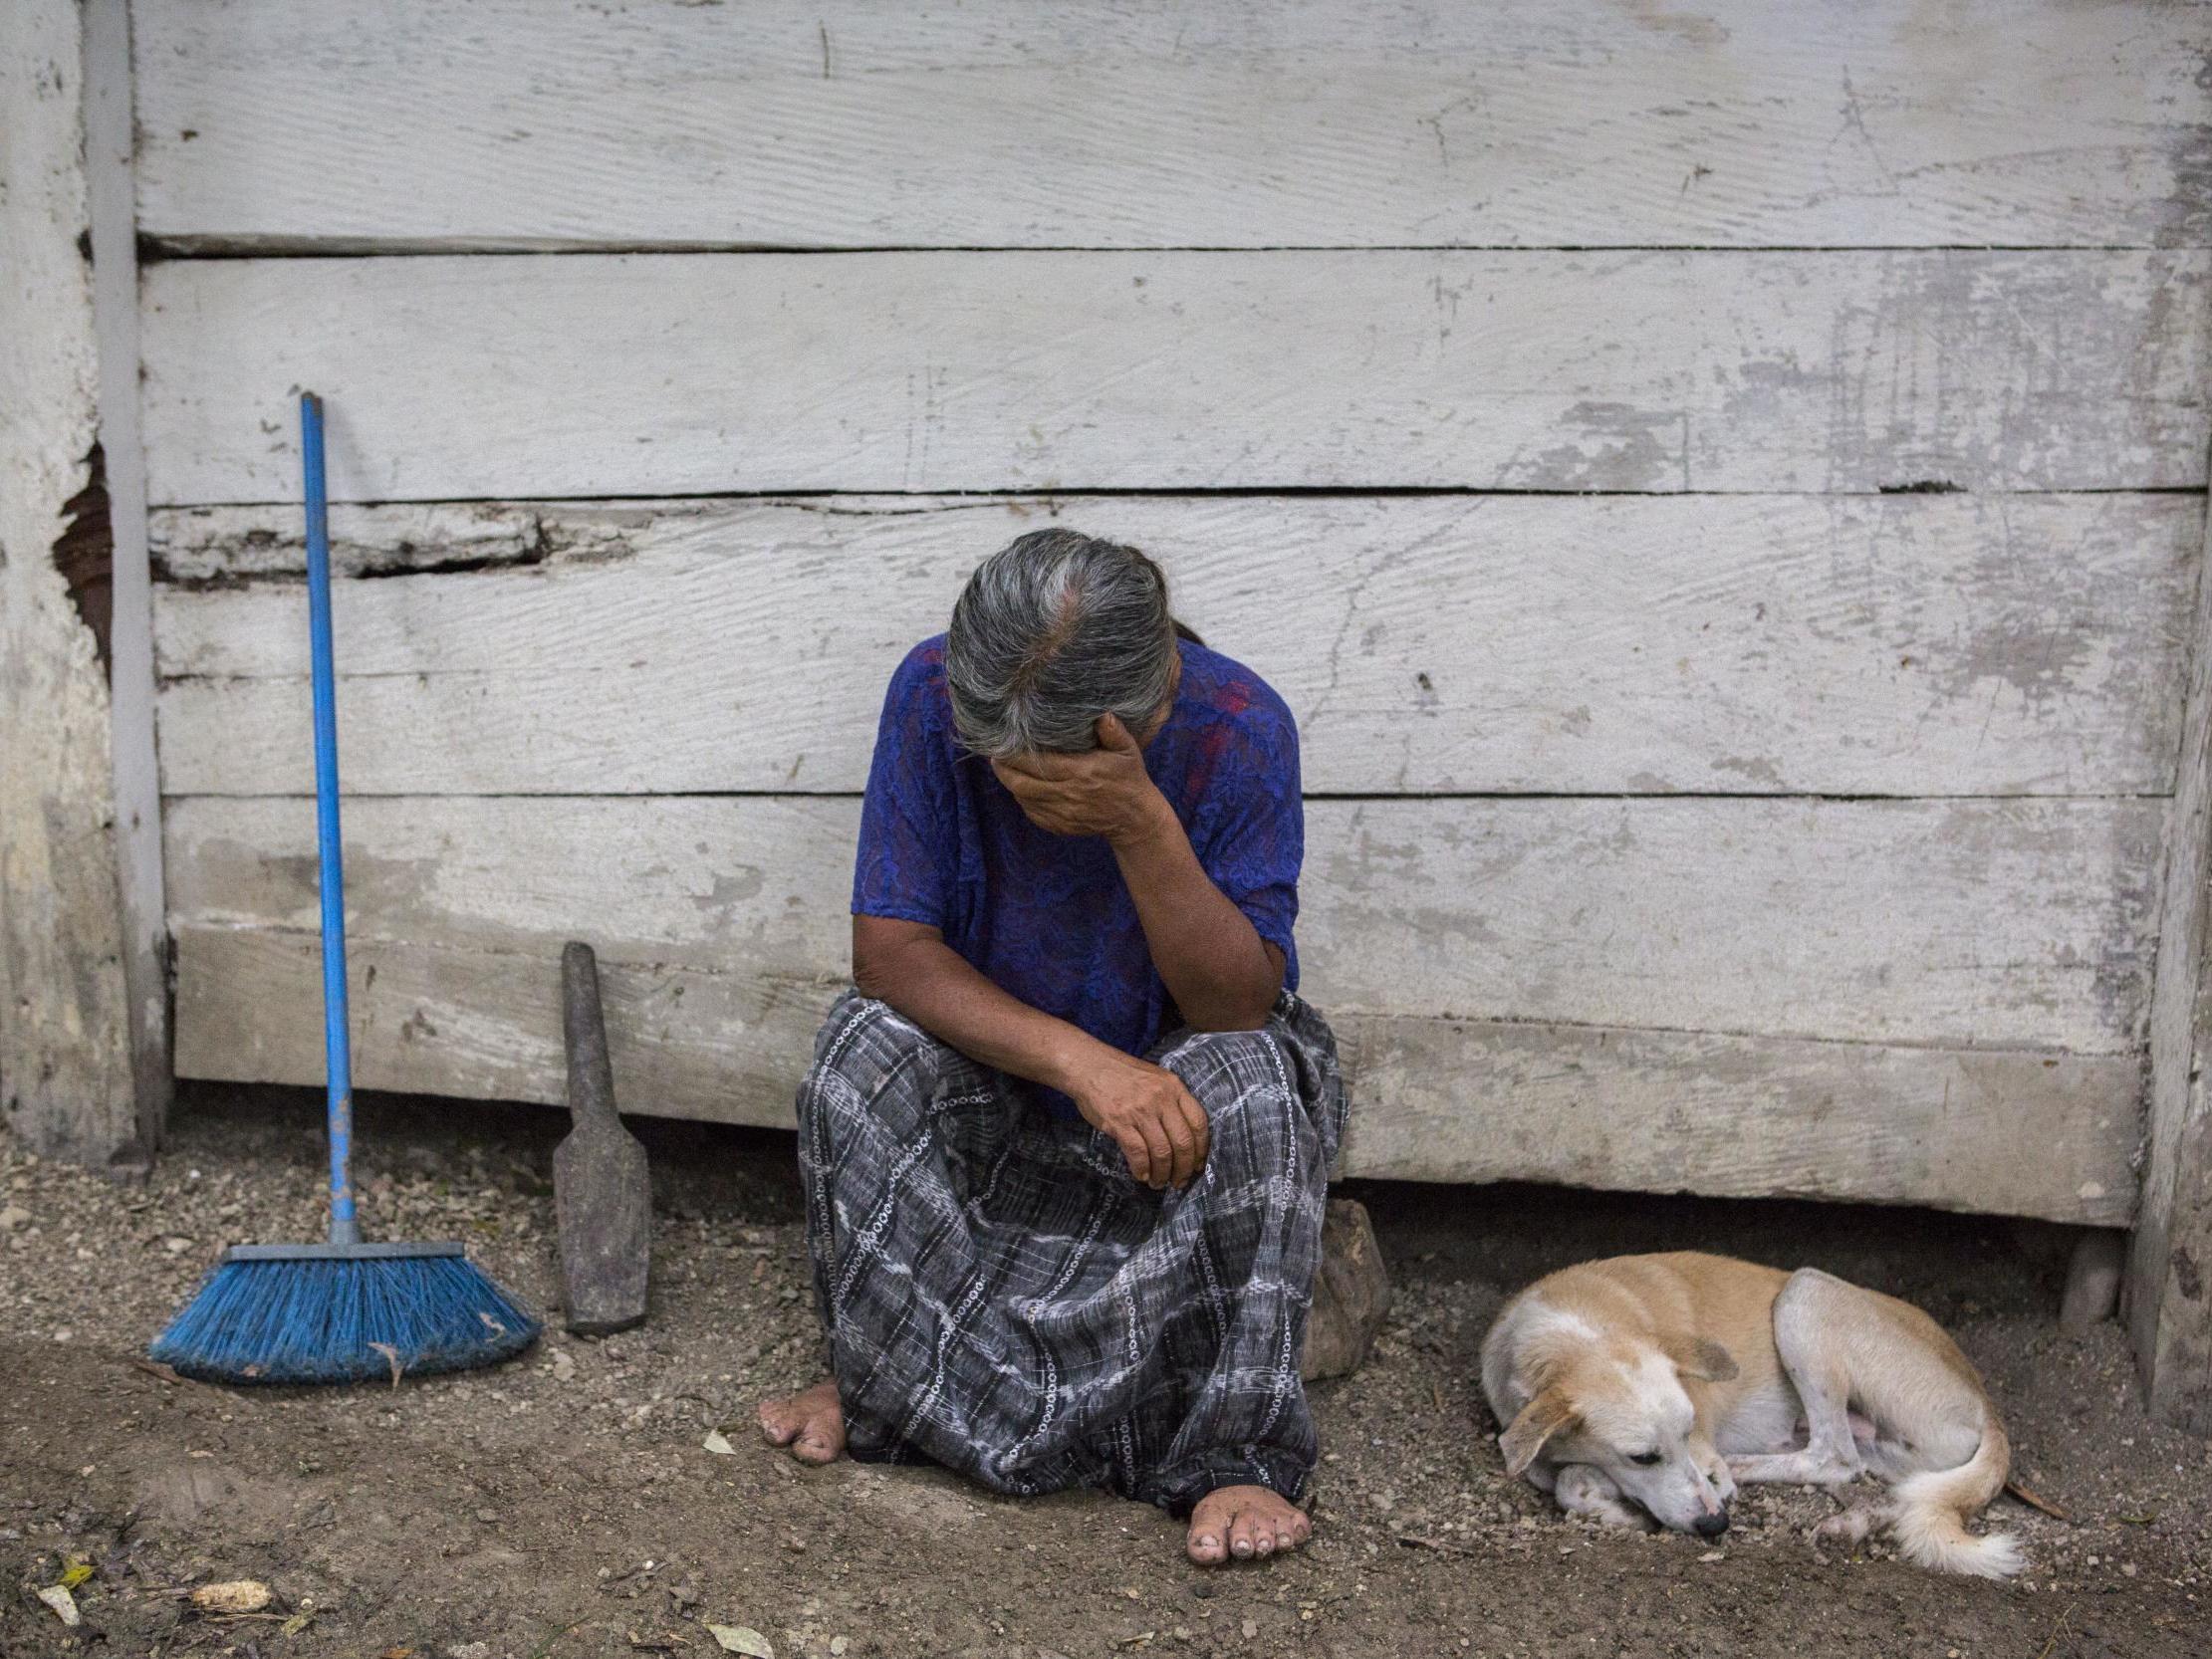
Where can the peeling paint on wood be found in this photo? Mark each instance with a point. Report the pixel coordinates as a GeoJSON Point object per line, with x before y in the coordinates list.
{"type": "Point", "coordinates": [84, 554]}
{"type": "Point", "coordinates": [65, 1080]}
{"type": "Point", "coordinates": [1925, 644]}
{"type": "Point", "coordinates": [203, 548]}
{"type": "Point", "coordinates": [1971, 922]}
{"type": "Point", "coordinates": [1577, 123]}
{"type": "Point", "coordinates": [579, 376]}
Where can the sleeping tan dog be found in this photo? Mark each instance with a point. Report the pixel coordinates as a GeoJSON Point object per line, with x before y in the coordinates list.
{"type": "Point", "coordinates": [1651, 1385]}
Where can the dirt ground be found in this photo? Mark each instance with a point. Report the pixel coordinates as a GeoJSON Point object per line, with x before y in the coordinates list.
{"type": "Point", "coordinates": [564, 1507]}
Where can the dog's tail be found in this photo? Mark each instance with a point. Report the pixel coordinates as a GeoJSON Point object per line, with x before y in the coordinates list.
{"type": "Point", "coordinates": [1929, 1511]}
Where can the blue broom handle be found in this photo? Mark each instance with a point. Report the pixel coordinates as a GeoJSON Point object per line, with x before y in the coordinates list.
{"type": "Point", "coordinates": [338, 1053]}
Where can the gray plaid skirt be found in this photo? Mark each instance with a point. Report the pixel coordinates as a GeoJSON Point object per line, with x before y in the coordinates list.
{"type": "Point", "coordinates": [1002, 1298]}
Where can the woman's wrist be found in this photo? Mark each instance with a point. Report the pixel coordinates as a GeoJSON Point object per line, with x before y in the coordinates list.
{"type": "Point", "coordinates": [1152, 821]}
{"type": "Point", "coordinates": [1072, 1060]}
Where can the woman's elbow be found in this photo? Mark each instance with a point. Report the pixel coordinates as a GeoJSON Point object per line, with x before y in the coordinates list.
{"type": "Point", "coordinates": [868, 978]}
{"type": "Point", "coordinates": [1247, 1018]}
{"type": "Point", "coordinates": [882, 952]}
{"type": "Point", "coordinates": [1246, 1010]}
{"type": "Point", "coordinates": [1249, 1005]}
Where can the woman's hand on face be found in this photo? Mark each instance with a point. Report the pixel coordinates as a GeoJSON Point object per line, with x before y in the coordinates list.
{"type": "Point", "coordinates": [1159, 1126]}
{"type": "Point", "coordinates": [1104, 793]}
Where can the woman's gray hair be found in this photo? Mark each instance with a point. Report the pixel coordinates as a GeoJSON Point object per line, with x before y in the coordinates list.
{"type": "Point", "coordinates": [1051, 633]}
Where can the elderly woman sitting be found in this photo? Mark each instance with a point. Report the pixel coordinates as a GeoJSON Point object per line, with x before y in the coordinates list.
{"type": "Point", "coordinates": [1065, 1148]}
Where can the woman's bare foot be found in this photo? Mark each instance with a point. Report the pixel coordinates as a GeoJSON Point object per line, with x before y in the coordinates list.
{"type": "Point", "coordinates": [1246, 1522]}
{"type": "Point", "coordinates": [810, 1423]}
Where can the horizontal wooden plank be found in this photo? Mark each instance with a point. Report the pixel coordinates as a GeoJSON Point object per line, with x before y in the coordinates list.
{"type": "Point", "coordinates": [1432, 1100]}
{"type": "Point", "coordinates": [486, 1024]}
{"type": "Point", "coordinates": [2004, 924]}
{"type": "Point", "coordinates": [1749, 1118]}
{"type": "Point", "coordinates": [1865, 646]}
{"type": "Point", "coordinates": [520, 122]}
{"type": "Point", "coordinates": [589, 376]}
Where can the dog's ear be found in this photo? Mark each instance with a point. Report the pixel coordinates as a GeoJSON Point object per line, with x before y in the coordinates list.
{"type": "Point", "coordinates": [1704, 1360]}
{"type": "Point", "coordinates": [1542, 1418]}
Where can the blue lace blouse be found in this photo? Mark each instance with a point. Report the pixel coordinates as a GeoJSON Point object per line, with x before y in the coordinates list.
{"type": "Point", "coordinates": [1047, 917]}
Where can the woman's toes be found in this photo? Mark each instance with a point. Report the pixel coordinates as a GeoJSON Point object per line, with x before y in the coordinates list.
{"type": "Point", "coordinates": [1244, 1523]}
{"type": "Point", "coordinates": [775, 1427]}
{"type": "Point", "coordinates": [1242, 1543]}
{"type": "Point", "coordinates": [810, 1423]}
{"type": "Point", "coordinates": [1209, 1531]}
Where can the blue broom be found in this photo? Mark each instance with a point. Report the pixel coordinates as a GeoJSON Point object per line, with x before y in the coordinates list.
{"type": "Point", "coordinates": [341, 1312]}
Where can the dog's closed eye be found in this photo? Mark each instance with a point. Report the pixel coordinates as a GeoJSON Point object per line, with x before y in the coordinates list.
{"type": "Point", "coordinates": [1647, 1458]}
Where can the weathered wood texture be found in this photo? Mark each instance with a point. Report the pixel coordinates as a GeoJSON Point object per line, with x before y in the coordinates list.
{"type": "Point", "coordinates": [1246, 123]}
{"type": "Point", "coordinates": [2178, 1255]}
{"type": "Point", "coordinates": [1851, 248]}
{"type": "Point", "coordinates": [1748, 1116]}
{"type": "Point", "coordinates": [109, 144]}
{"type": "Point", "coordinates": [1888, 646]}
{"type": "Point", "coordinates": [1468, 1100]}
{"type": "Point", "coordinates": [575, 376]}
{"type": "Point", "coordinates": [2170, 1266]}
{"type": "Point", "coordinates": [66, 1079]}
{"type": "Point", "coordinates": [2021, 923]}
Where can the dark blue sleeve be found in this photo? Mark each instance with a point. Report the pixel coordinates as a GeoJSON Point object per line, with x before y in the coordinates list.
{"type": "Point", "coordinates": [908, 857]}
{"type": "Point", "coordinates": [1253, 837]}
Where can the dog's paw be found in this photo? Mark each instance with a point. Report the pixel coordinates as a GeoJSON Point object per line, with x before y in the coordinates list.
{"type": "Point", "coordinates": [1850, 1527]}
{"type": "Point", "coordinates": [1584, 1491]}
{"type": "Point", "coordinates": [1622, 1516]}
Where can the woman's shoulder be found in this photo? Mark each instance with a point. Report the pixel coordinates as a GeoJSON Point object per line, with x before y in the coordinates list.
{"type": "Point", "coordinates": [1218, 688]}
{"type": "Point", "coordinates": [923, 663]}
{"type": "Point", "coordinates": [916, 707]}
{"type": "Point", "coordinates": [918, 682]}
{"type": "Point", "coordinates": [1237, 732]}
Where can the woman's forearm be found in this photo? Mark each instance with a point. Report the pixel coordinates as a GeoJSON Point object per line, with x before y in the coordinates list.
{"type": "Point", "coordinates": [1222, 975]}
{"type": "Point", "coordinates": [1158, 1123]}
{"type": "Point", "coordinates": [909, 966]}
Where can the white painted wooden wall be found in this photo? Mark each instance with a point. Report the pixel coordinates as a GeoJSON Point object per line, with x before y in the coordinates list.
{"type": "Point", "coordinates": [1721, 488]}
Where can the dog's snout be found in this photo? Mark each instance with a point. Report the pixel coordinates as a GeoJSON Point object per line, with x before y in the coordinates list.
{"type": "Point", "coordinates": [1711, 1525]}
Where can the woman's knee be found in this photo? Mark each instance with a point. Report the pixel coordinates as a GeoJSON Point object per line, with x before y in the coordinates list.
{"type": "Point", "coordinates": [1225, 1061]}
{"type": "Point", "coordinates": [1249, 1090]}
{"type": "Point", "coordinates": [862, 1045]}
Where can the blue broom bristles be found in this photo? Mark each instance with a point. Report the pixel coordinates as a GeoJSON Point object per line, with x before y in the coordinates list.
{"type": "Point", "coordinates": [341, 1318]}
{"type": "Point", "coordinates": [344, 1312]}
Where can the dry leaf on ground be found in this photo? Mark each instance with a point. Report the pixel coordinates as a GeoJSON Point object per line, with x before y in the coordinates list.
{"type": "Point", "coordinates": [741, 1638]}
{"type": "Point", "coordinates": [239, 1595]}
{"type": "Point", "coordinates": [63, 1603]}
{"type": "Point", "coordinates": [717, 1443]}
